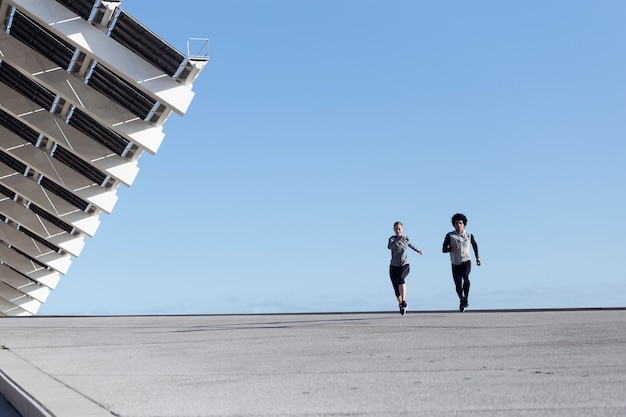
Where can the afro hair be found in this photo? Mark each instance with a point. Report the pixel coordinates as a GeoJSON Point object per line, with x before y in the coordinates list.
{"type": "Point", "coordinates": [459, 216]}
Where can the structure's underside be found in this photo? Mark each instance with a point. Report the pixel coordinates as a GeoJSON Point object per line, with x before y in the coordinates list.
{"type": "Point", "coordinates": [84, 91]}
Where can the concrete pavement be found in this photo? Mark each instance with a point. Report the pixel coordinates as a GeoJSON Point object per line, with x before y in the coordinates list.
{"type": "Point", "coordinates": [435, 364]}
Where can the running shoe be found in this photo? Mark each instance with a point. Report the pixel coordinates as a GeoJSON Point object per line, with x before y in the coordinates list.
{"type": "Point", "coordinates": [402, 306]}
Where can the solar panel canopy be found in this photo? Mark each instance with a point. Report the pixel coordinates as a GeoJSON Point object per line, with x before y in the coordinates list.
{"type": "Point", "coordinates": [85, 89]}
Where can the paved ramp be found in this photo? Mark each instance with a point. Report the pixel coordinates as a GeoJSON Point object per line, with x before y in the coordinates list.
{"type": "Point", "coordinates": [432, 364]}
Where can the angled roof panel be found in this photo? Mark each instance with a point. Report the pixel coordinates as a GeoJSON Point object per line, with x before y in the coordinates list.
{"type": "Point", "coordinates": [138, 38]}
{"type": "Point", "coordinates": [84, 91]}
{"type": "Point", "coordinates": [78, 143]}
{"type": "Point", "coordinates": [110, 52]}
{"type": "Point", "coordinates": [41, 40]}
{"type": "Point", "coordinates": [82, 8]}
{"type": "Point", "coordinates": [23, 284]}
{"type": "Point", "coordinates": [27, 87]}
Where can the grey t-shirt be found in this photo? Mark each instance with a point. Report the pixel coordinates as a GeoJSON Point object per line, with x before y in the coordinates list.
{"type": "Point", "coordinates": [398, 246]}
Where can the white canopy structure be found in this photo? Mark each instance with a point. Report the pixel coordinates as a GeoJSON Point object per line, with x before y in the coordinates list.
{"type": "Point", "coordinates": [84, 90]}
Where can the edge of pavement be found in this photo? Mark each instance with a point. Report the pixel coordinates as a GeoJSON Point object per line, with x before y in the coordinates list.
{"type": "Point", "coordinates": [35, 394]}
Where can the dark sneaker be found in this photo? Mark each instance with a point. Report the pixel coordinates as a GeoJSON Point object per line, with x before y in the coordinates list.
{"type": "Point", "coordinates": [465, 303]}
{"type": "Point", "coordinates": [402, 306]}
{"type": "Point", "coordinates": [462, 306]}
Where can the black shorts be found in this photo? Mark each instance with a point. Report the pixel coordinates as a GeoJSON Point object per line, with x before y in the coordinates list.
{"type": "Point", "coordinates": [398, 273]}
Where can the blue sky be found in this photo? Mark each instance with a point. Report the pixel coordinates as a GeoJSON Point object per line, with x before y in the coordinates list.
{"type": "Point", "coordinates": [317, 124]}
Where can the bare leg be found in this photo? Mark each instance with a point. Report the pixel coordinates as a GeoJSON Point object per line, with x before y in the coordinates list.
{"type": "Point", "coordinates": [402, 291]}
